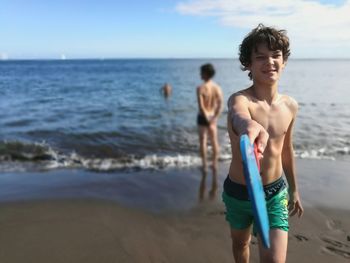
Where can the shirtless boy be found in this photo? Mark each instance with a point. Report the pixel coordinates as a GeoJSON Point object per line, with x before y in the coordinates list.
{"type": "Point", "coordinates": [209, 97]}
{"type": "Point", "coordinates": [166, 90]}
{"type": "Point", "coordinates": [267, 117]}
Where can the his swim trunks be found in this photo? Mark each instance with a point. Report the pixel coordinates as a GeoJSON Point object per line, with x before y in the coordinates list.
{"type": "Point", "coordinates": [239, 211]}
{"type": "Point", "coordinates": [201, 120]}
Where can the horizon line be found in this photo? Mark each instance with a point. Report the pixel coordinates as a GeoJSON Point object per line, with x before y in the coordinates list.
{"type": "Point", "coordinates": [160, 58]}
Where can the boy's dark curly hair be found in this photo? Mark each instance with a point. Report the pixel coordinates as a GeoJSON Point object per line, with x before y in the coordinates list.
{"type": "Point", "coordinates": [208, 70]}
{"type": "Point", "coordinates": [275, 40]}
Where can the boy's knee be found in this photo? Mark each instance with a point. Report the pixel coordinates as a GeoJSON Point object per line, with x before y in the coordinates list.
{"type": "Point", "coordinates": [239, 244]}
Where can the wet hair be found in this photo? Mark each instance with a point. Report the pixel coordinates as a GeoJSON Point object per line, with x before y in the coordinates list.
{"type": "Point", "coordinates": [208, 70]}
{"type": "Point", "coordinates": [275, 40]}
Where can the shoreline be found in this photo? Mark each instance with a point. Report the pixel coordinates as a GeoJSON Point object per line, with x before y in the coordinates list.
{"type": "Point", "coordinates": [321, 183]}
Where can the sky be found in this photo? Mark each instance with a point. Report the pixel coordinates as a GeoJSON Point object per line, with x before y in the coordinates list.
{"type": "Point", "coordinates": [40, 29]}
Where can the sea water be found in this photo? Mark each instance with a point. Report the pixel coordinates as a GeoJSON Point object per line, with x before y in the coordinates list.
{"type": "Point", "coordinates": [106, 115]}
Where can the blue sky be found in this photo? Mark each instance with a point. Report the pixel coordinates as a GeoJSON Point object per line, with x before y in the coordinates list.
{"type": "Point", "coordinates": [167, 28]}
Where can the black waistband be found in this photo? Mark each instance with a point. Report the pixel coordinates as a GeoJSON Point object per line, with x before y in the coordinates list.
{"type": "Point", "coordinates": [240, 191]}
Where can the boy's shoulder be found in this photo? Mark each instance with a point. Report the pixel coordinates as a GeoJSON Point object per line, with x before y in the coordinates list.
{"type": "Point", "coordinates": [217, 88]}
{"type": "Point", "coordinates": [200, 88]}
{"type": "Point", "coordinates": [289, 100]}
{"type": "Point", "coordinates": [241, 95]}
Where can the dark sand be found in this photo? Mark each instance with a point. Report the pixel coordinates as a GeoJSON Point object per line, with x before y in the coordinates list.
{"type": "Point", "coordinates": [77, 227]}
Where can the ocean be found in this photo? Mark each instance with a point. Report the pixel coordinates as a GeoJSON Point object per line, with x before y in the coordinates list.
{"type": "Point", "coordinates": [109, 115]}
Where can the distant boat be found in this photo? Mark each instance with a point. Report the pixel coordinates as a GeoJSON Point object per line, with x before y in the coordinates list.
{"type": "Point", "coordinates": [63, 56]}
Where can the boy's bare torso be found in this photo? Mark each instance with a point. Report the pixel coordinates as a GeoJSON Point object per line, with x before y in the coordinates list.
{"type": "Point", "coordinates": [276, 119]}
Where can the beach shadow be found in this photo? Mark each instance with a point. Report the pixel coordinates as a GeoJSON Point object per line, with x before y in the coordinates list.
{"type": "Point", "coordinates": [213, 191]}
{"type": "Point", "coordinates": [202, 185]}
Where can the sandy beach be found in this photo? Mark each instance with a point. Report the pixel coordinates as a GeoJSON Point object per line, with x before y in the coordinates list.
{"type": "Point", "coordinates": [88, 229]}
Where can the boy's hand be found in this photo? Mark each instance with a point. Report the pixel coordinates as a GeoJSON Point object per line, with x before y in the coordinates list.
{"type": "Point", "coordinates": [258, 134]}
{"type": "Point", "coordinates": [212, 120]}
{"type": "Point", "coordinates": [294, 204]}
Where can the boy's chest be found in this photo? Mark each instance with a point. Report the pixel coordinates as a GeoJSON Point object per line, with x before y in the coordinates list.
{"type": "Point", "coordinates": [275, 119]}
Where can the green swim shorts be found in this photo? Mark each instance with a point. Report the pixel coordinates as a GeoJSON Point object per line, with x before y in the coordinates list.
{"type": "Point", "coordinates": [239, 213]}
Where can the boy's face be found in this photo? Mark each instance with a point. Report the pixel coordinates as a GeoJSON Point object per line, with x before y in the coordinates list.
{"type": "Point", "coordinates": [266, 65]}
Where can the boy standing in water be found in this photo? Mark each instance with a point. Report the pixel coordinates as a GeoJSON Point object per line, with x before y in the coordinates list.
{"type": "Point", "coordinates": [166, 90]}
{"type": "Point", "coordinates": [209, 97]}
{"type": "Point", "coordinates": [267, 117]}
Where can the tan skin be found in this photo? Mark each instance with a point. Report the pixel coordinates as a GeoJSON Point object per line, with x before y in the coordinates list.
{"type": "Point", "coordinates": [209, 97]}
{"type": "Point", "coordinates": [166, 90]}
{"type": "Point", "coordinates": [268, 119]}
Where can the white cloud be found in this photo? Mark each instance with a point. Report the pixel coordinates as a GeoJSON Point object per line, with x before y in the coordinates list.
{"type": "Point", "coordinates": [308, 23]}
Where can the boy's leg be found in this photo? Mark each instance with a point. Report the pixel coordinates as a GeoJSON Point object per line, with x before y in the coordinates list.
{"type": "Point", "coordinates": [202, 131]}
{"type": "Point", "coordinates": [240, 244]}
{"type": "Point", "coordinates": [240, 217]}
{"type": "Point", "coordinates": [279, 226]}
{"type": "Point", "coordinates": [278, 250]}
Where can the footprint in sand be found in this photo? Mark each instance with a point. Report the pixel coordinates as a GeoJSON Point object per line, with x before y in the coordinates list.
{"type": "Point", "coordinates": [301, 238]}
{"type": "Point", "coordinates": [333, 242]}
{"type": "Point", "coordinates": [334, 224]}
{"type": "Point", "coordinates": [340, 252]}
{"type": "Point", "coordinates": [336, 247]}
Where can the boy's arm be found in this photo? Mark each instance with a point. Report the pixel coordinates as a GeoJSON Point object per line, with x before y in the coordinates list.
{"type": "Point", "coordinates": [219, 104]}
{"type": "Point", "coordinates": [242, 122]}
{"type": "Point", "coordinates": [288, 164]}
{"type": "Point", "coordinates": [200, 103]}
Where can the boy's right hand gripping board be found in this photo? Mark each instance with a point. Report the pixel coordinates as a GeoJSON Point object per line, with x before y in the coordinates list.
{"type": "Point", "coordinates": [255, 188]}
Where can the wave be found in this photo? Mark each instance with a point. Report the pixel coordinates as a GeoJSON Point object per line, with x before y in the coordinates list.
{"type": "Point", "coordinates": [21, 151]}
{"type": "Point", "coordinates": [323, 153]}
{"type": "Point", "coordinates": [23, 155]}
{"type": "Point", "coordinates": [20, 156]}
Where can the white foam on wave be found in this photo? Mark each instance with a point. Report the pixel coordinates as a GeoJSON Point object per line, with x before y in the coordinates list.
{"type": "Point", "coordinates": [148, 162]}
{"type": "Point", "coordinates": [109, 164]}
{"type": "Point", "coordinates": [52, 159]}
{"type": "Point", "coordinates": [322, 153]}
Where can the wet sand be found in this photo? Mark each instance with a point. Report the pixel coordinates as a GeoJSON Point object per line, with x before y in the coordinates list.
{"type": "Point", "coordinates": [89, 229]}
